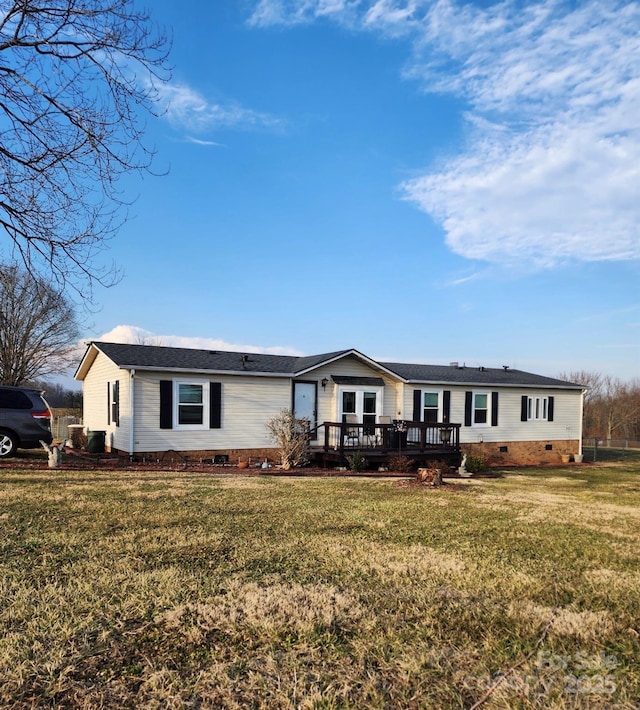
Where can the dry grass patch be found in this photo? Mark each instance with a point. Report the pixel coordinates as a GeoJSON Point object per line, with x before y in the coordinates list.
{"type": "Point", "coordinates": [274, 608]}
{"type": "Point", "coordinates": [243, 482]}
{"type": "Point", "coordinates": [613, 579]}
{"type": "Point", "coordinates": [417, 561]}
{"type": "Point", "coordinates": [162, 590]}
{"type": "Point", "coordinates": [585, 626]}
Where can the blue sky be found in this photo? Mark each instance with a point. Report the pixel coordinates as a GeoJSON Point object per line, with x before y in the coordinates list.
{"type": "Point", "coordinates": [422, 181]}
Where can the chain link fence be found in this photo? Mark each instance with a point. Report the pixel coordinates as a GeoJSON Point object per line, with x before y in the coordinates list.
{"type": "Point", "coordinates": [595, 449]}
{"type": "Point", "coordinates": [60, 427]}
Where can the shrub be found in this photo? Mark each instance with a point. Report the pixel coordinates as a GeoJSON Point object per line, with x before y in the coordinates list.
{"type": "Point", "coordinates": [401, 464]}
{"type": "Point", "coordinates": [474, 464]}
{"type": "Point", "coordinates": [292, 437]}
{"type": "Point", "coordinates": [357, 462]}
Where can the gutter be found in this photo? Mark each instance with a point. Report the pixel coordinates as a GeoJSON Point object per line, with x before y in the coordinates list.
{"type": "Point", "coordinates": [207, 373]}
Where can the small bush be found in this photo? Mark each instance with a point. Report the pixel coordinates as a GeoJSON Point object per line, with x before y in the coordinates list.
{"type": "Point", "coordinates": [292, 437]}
{"type": "Point", "coordinates": [474, 464]}
{"type": "Point", "coordinates": [357, 462]}
{"type": "Point", "coordinates": [401, 464]}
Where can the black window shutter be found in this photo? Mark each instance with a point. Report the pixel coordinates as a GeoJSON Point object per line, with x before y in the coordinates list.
{"type": "Point", "coordinates": [108, 403]}
{"type": "Point", "coordinates": [494, 409]}
{"type": "Point", "coordinates": [166, 404]}
{"type": "Point", "coordinates": [550, 409]}
{"type": "Point", "coordinates": [417, 406]}
{"type": "Point", "coordinates": [446, 405]}
{"type": "Point", "coordinates": [215, 405]}
{"type": "Point", "coordinates": [468, 406]}
{"type": "Point", "coordinates": [524, 408]}
{"type": "Point", "coordinates": [116, 402]}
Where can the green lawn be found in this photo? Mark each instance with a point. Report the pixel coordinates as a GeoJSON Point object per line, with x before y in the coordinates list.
{"type": "Point", "coordinates": [179, 590]}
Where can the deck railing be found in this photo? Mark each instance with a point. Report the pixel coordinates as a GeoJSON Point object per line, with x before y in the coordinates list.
{"type": "Point", "coordinates": [391, 438]}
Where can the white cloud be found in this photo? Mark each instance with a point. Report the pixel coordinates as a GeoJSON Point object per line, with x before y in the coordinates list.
{"type": "Point", "coordinates": [187, 108]}
{"type": "Point", "coordinates": [557, 177]}
{"type": "Point", "coordinates": [547, 197]}
{"type": "Point", "coordinates": [393, 18]}
{"type": "Point", "coordinates": [200, 141]}
{"type": "Point", "coordinates": [296, 12]}
{"type": "Point", "coordinates": [550, 171]}
{"type": "Point", "coordinates": [139, 336]}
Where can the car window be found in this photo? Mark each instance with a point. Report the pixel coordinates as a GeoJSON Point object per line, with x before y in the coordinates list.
{"type": "Point", "coordinates": [14, 399]}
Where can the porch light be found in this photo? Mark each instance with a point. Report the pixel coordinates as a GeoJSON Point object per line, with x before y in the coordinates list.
{"type": "Point", "coordinates": [324, 383]}
{"type": "Point", "coordinates": [445, 435]}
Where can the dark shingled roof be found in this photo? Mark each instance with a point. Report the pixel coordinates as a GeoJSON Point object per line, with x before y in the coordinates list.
{"type": "Point", "coordinates": [153, 357]}
{"type": "Point", "coordinates": [453, 374]}
{"type": "Point", "coordinates": [188, 359]}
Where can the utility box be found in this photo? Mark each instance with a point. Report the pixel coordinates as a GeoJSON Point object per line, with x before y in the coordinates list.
{"type": "Point", "coordinates": [95, 441]}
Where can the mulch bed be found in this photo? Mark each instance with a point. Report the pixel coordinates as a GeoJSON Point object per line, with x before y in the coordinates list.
{"type": "Point", "coordinates": [80, 460]}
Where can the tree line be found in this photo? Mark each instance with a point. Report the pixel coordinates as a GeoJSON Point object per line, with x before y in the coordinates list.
{"type": "Point", "coordinates": [611, 406]}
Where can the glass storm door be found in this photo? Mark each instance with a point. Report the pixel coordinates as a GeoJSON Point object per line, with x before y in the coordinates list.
{"type": "Point", "coordinates": [304, 402]}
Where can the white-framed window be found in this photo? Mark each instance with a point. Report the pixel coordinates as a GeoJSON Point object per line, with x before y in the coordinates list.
{"type": "Point", "coordinates": [114, 402]}
{"type": "Point", "coordinates": [191, 404]}
{"type": "Point", "coordinates": [481, 401]}
{"type": "Point", "coordinates": [431, 407]}
{"type": "Point", "coordinates": [537, 408]}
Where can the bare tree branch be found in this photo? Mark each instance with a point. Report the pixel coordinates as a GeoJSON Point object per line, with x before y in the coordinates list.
{"type": "Point", "coordinates": [76, 80]}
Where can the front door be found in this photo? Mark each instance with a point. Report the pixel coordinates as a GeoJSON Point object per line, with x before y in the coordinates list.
{"type": "Point", "coordinates": [304, 402]}
{"type": "Point", "coordinates": [366, 404]}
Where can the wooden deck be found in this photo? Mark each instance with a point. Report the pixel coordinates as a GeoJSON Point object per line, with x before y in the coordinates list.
{"type": "Point", "coordinates": [379, 443]}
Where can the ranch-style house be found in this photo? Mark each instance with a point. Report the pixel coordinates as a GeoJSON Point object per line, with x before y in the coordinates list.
{"type": "Point", "coordinates": [150, 400]}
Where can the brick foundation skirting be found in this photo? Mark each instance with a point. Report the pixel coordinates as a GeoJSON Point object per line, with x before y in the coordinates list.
{"type": "Point", "coordinates": [495, 453]}
{"type": "Point", "coordinates": [235, 456]}
{"type": "Point", "coordinates": [522, 453]}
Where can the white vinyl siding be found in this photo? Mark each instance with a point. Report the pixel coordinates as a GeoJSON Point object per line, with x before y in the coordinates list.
{"type": "Point", "coordinates": [566, 419]}
{"type": "Point", "coordinates": [96, 415]}
{"type": "Point", "coordinates": [565, 425]}
{"type": "Point", "coordinates": [248, 403]}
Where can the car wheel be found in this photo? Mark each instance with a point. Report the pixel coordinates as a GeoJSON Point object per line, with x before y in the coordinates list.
{"type": "Point", "coordinates": [8, 444]}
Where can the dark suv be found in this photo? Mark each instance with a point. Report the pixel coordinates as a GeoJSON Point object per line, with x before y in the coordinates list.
{"type": "Point", "coordinates": [25, 420]}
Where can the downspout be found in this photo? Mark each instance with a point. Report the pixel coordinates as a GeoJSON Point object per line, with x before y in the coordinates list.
{"type": "Point", "coordinates": [582, 394]}
{"type": "Point", "coordinates": [132, 383]}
